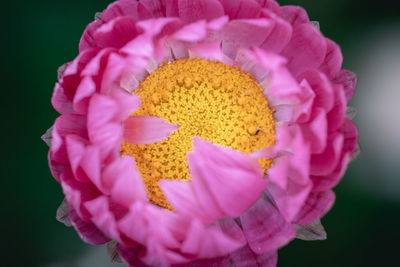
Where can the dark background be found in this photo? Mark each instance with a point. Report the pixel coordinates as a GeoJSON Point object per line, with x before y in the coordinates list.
{"type": "Point", "coordinates": [363, 226]}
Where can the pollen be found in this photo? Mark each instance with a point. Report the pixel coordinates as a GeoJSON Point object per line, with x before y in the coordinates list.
{"type": "Point", "coordinates": [209, 99]}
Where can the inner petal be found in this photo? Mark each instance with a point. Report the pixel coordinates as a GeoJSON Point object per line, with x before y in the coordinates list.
{"type": "Point", "coordinates": [209, 99]}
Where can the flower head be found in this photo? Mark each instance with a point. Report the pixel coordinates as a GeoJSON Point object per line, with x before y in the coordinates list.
{"type": "Point", "coordinates": [200, 132]}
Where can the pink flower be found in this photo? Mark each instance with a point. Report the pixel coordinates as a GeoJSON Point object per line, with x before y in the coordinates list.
{"type": "Point", "coordinates": [200, 133]}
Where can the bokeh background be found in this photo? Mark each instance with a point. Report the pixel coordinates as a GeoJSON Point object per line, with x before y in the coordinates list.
{"type": "Point", "coordinates": [363, 226]}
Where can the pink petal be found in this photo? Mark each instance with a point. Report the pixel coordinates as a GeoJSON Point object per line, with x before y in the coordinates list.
{"type": "Point", "coordinates": [217, 24]}
{"type": "Point", "coordinates": [241, 9]}
{"type": "Point", "coordinates": [102, 217]}
{"type": "Point", "coordinates": [103, 132]}
{"type": "Point", "coordinates": [294, 14]}
{"type": "Point", "coordinates": [265, 229]}
{"type": "Point", "coordinates": [338, 112]}
{"type": "Point", "coordinates": [119, 9]}
{"type": "Point", "coordinates": [88, 232]}
{"type": "Point", "coordinates": [349, 81]}
{"type": "Point", "coordinates": [223, 261]}
{"type": "Point", "coordinates": [306, 50]}
{"type": "Point", "coordinates": [316, 131]}
{"type": "Point", "coordinates": [350, 134]}
{"type": "Point", "coordinates": [333, 60]}
{"type": "Point", "coordinates": [302, 112]}
{"type": "Point", "coordinates": [209, 51]}
{"type": "Point", "coordinates": [192, 32]}
{"type": "Point", "coordinates": [322, 87]}
{"type": "Point", "coordinates": [325, 163]}
{"type": "Point", "coordinates": [245, 257]}
{"type": "Point", "coordinates": [83, 93]}
{"type": "Point", "coordinates": [77, 193]}
{"type": "Point", "coordinates": [225, 176]}
{"type": "Point", "coordinates": [125, 182]}
{"type": "Point", "coordinates": [147, 129]}
{"type": "Point", "coordinates": [129, 82]}
{"type": "Point", "coordinates": [60, 101]}
{"type": "Point", "coordinates": [155, 7]}
{"type": "Point", "coordinates": [130, 255]}
{"type": "Point", "coordinates": [135, 224]}
{"type": "Point", "coordinates": [244, 33]}
{"type": "Point", "coordinates": [76, 147]}
{"type": "Point", "coordinates": [65, 125]}
{"type": "Point", "coordinates": [141, 46]}
{"type": "Point", "coordinates": [116, 33]}
{"type": "Point", "coordinates": [190, 11]}
{"type": "Point", "coordinates": [299, 165]}
{"type": "Point", "coordinates": [231, 228]}
{"type": "Point", "coordinates": [87, 40]}
{"type": "Point", "coordinates": [127, 103]}
{"type": "Point", "coordinates": [153, 27]}
{"type": "Point", "coordinates": [278, 173]}
{"type": "Point", "coordinates": [208, 242]}
{"type": "Point", "coordinates": [280, 34]}
{"type": "Point", "coordinates": [323, 183]}
{"type": "Point", "coordinates": [317, 204]}
{"type": "Point", "coordinates": [182, 197]}
{"type": "Point", "coordinates": [291, 199]}
{"type": "Point", "coordinates": [270, 5]}
{"type": "Point", "coordinates": [116, 66]}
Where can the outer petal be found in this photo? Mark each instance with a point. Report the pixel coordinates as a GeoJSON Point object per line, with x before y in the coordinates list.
{"type": "Point", "coordinates": [294, 14]}
{"type": "Point", "coordinates": [116, 33]}
{"type": "Point", "coordinates": [349, 81]}
{"type": "Point", "coordinates": [333, 59]}
{"type": "Point", "coordinates": [242, 9]}
{"type": "Point", "coordinates": [244, 33]}
{"type": "Point", "coordinates": [245, 257]}
{"type": "Point", "coordinates": [306, 50]}
{"type": "Point", "coordinates": [190, 11]}
{"type": "Point", "coordinates": [88, 232]}
{"type": "Point", "coordinates": [325, 163]}
{"type": "Point", "coordinates": [317, 204]}
{"type": "Point", "coordinates": [265, 229]}
{"type": "Point", "coordinates": [147, 129]}
{"type": "Point", "coordinates": [102, 217]}
{"type": "Point", "coordinates": [280, 34]}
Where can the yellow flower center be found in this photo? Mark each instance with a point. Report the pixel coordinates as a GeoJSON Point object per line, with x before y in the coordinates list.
{"type": "Point", "coordinates": [209, 99]}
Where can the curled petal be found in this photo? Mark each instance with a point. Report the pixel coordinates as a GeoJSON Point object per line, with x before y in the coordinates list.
{"type": "Point", "coordinates": [208, 242]}
{"type": "Point", "coordinates": [225, 176]}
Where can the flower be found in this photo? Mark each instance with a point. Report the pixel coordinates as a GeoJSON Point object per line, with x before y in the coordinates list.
{"type": "Point", "coordinates": [197, 133]}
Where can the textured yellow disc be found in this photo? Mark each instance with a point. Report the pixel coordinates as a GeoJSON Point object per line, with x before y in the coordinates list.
{"type": "Point", "coordinates": [209, 99]}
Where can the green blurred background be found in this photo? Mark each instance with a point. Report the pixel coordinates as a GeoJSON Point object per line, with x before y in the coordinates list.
{"type": "Point", "coordinates": [363, 226]}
